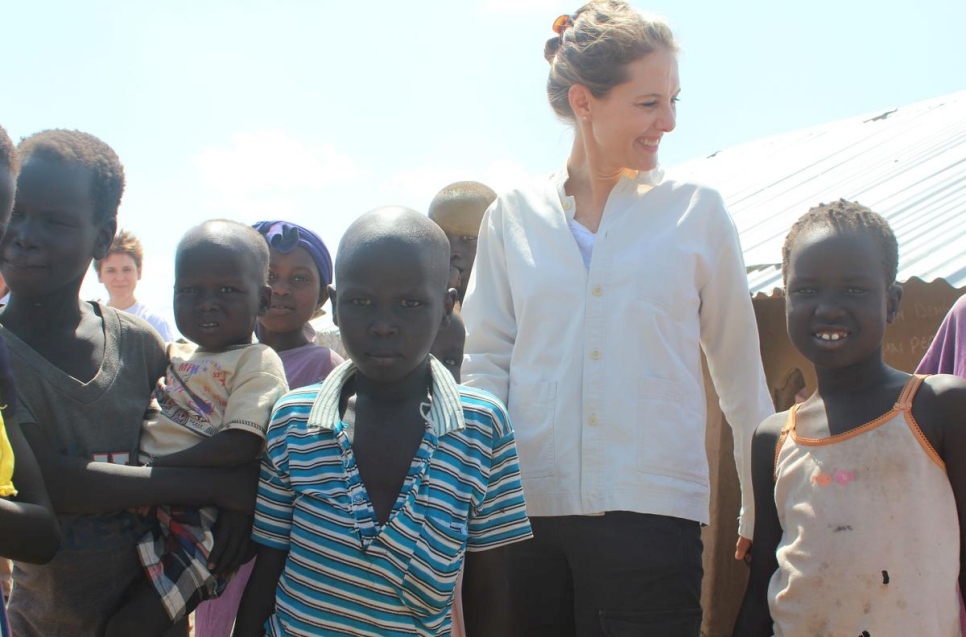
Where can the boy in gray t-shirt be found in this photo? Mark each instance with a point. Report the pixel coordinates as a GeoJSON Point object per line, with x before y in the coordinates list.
{"type": "Point", "coordinates": [85, 373]}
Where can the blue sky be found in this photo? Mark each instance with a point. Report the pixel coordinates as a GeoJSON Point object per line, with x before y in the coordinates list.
{"type": "Point", "coordinates": [316, 111]}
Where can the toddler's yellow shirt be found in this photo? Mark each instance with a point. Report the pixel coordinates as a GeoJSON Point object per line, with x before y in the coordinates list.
{"type": "Point", "coordinates": [6, 463]}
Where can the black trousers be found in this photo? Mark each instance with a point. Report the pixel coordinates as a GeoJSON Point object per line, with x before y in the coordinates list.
{"type": "Point", "coordinates": [615, 575]}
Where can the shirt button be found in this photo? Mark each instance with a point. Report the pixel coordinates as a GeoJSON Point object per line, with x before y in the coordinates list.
{"type": "Point", "coordinates": [567, 205]}
{"type": "Point", "coordinates": [595, 354]}
{"type": "Point", "coordinates": [592, 421]}
{"type": "Point", "coordinates": [598, 291]}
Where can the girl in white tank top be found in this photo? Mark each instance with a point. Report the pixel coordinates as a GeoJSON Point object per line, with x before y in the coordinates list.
{"type": "Point", "coordinates": [858, 530]}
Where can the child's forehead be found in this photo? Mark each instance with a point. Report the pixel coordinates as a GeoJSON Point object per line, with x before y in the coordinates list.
{"type": "Point", "coordinates": [459, 214]}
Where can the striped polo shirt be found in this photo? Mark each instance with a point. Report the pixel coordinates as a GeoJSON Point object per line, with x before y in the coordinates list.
{"type": "Point", "coordinates": [346, 575]}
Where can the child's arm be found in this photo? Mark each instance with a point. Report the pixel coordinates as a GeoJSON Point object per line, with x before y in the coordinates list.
{"type": "Point", "coordinates": [223, 450]}
{"type": "Point", "coordinates": [754, 618]}
{"type": "Point", "coordinates": [486, 596]}
{"type": "Point", "coordinates": [78, 486]}
{"type": "Point", "coordinates": [28, 527]}
{"type": "Point", "coordinates": [258, 601]}
{"type": "Point", "coordinates": [948, 410]}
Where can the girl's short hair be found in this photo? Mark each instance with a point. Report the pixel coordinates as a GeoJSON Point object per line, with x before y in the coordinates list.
{"type": "Point", "coordinates": [9, 157]}
{"type": "Point", "coordinates": [844, 215]}
{"type": "Point", "coordinates": [602, 38]}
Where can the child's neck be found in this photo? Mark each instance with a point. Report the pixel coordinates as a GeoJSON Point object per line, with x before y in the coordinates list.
{"type": "Point", "coordinates": [25, 316]}
{"type": "Point", "coordinates": [282, 341]}
{"type": "Point", "coordinates": [122, 303]}
{"type": "Point", "coordinates": [860, 377]}
{"type": "Point", "coordinates": [413, 386]}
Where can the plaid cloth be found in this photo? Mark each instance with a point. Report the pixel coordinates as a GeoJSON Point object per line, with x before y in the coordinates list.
{"type": "Point", "coordinates": [175, 556]}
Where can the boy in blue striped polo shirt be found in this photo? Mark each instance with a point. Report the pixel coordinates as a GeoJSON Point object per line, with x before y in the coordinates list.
{"type": "Point", "coordinates": [379, 481]}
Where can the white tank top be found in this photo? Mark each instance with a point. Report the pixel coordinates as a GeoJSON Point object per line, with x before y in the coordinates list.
{"type": "Point", "coordinates": [871, 534]}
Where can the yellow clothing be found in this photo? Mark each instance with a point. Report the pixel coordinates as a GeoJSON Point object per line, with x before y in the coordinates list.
{"type": "Point", "coordinates": [6, 464]}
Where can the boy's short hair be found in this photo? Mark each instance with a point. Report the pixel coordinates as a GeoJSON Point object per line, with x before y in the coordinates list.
{"type": "Point", "coordinates": [210, 230]}
{"type": "Point", "coordinates": [125, 242]}
{"type": "Point", "coordinates": [844, 215]}
{"type": "Point", "coordinates": [464, 192]}
{"type": "Point", "coordinates": [9, 157]}
{"type": "Point", "coordinates": [87, 150]}
{"type": "Point", "coordinates": [398, 224]}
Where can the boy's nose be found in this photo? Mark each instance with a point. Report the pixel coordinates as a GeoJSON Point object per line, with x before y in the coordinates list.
{"type": "Point", "coordinates": [383, 326]}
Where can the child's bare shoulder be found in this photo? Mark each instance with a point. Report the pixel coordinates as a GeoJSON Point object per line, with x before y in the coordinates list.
{"type": "Point", "coordinates": [772, 426]}
{"type": "Point", "coordinates": [940, 401]}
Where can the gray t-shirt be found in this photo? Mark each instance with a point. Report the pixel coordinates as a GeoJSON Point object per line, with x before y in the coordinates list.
{"type": "Point", "coordinates": [77, 592]}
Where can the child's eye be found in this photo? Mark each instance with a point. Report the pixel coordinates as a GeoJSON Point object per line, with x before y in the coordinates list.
{"type": "Point", "coordinates": [410, 303]}
{"type": "Point", "coordinates": [802, 291]}
{"type": "Point", "coordinates": [300, 278]}
{"type": "Point", "coordinates": [468, 238]}
{"type": "Point", "coordinates": [187, 290]}
{"type": "Point", "coordinates": [227, 289]}
{"type": "Point", "coordinates": [361, 302]}
{"type": "Point", "coordinates": [450, 362]}
{"type": "Point", "coordinates": [272, 278]}
{"type": "Point", "coordinates": [855, 291]}
{"type": "Point", "coordinates": [650, 104]}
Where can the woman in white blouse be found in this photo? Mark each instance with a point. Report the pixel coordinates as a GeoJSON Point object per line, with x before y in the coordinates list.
{"type": "Point", "coordinates": [593, 295]}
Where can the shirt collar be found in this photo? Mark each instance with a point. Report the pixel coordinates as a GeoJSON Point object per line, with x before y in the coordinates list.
{"type": "Point", "coordinates": [445, 413]}
{"type": "Point", "coordinates": [650, 178]}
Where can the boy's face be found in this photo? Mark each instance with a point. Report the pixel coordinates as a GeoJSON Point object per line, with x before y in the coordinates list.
{"type": "Point", "coordinates": [461, 223]}
{"type": "Point", "coordinates": [296, 288]}
{"type": "Point", "coordinates": [218, 295]}
{"type": "Point", "coordinates": [119, 274]}
{"type": "Point", "coordinates": [52, 235]}
{"type": "Point", "coordinates": [448, 347]}
{"type": "Point", "coordinates": [837, 301]}
{"type": "Point", "coordinates": [389, 306]}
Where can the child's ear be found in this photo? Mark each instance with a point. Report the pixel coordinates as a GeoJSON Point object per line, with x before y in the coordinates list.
{"type": "Point", "coordinates": [894, 295]}
{"type": "Point", "coordinates": [105, 236]}
{"type": "Point", "coordinates": [448, 304]}
{"type": "Point", "coordinates": [332, 300]}
{"type": "Point", "coordinates": [264, 299]}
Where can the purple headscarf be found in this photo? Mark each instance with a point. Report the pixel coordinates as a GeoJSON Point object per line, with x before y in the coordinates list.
{"type": "Point", "coordinates": [285, 237]}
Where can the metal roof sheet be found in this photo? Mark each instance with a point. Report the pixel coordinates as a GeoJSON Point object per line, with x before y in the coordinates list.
{"type": "Point", "coordinates": [908, 164]}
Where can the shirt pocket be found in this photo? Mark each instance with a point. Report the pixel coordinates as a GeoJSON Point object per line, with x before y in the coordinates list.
{"type": "Point", "coordinates": [670, 438]}
{"type": "Point", "coordinates": [532, 408]}
{"type": "Point", "coordinates": [429, 581]}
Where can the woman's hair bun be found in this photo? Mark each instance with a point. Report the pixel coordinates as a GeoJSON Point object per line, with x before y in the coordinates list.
{"type": "Point", "coordinates": [550, 48]}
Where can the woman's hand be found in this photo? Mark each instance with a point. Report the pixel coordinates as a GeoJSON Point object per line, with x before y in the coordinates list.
{"type": "Point", "coordinates": [743, 549]}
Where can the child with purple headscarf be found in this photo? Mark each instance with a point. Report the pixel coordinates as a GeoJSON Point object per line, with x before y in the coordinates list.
{"type": "Point", "coordinates": [300, 269]}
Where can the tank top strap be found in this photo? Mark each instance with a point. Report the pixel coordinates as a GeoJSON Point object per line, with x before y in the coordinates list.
{"type": "Point", "coordinates": [904, 403]}
{"type": "Point", "coordinates": [789, 426]}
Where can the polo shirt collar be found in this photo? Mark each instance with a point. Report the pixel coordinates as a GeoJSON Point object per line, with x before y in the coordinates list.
{"type": "Point", "coordinates": [444, 413]}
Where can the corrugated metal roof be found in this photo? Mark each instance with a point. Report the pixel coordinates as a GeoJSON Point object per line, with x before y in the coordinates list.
{"type": "Point", "coordinates": [908, 164]}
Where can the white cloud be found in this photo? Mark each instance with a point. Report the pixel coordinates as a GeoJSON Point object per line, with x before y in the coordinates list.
{"type": "Point", "coordinates": [420, 185]}
{"type": "Point", "coordinates": [271, 162]}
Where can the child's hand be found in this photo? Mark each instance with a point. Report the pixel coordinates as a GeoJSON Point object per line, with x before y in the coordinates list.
{"type": "Point", "coordinates": [233, 546]}
{"type": "Point", "coordinates": [743, 549]}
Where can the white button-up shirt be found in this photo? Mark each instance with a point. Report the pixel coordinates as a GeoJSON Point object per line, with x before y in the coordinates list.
{"type": "Point", "coordinates": [600, 366]}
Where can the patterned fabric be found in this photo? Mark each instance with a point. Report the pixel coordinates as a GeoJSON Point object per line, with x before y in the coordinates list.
{"type": "Point", "coordinates": [175, 558]}
{"type": "Point", "coordinates": [346, 574]}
